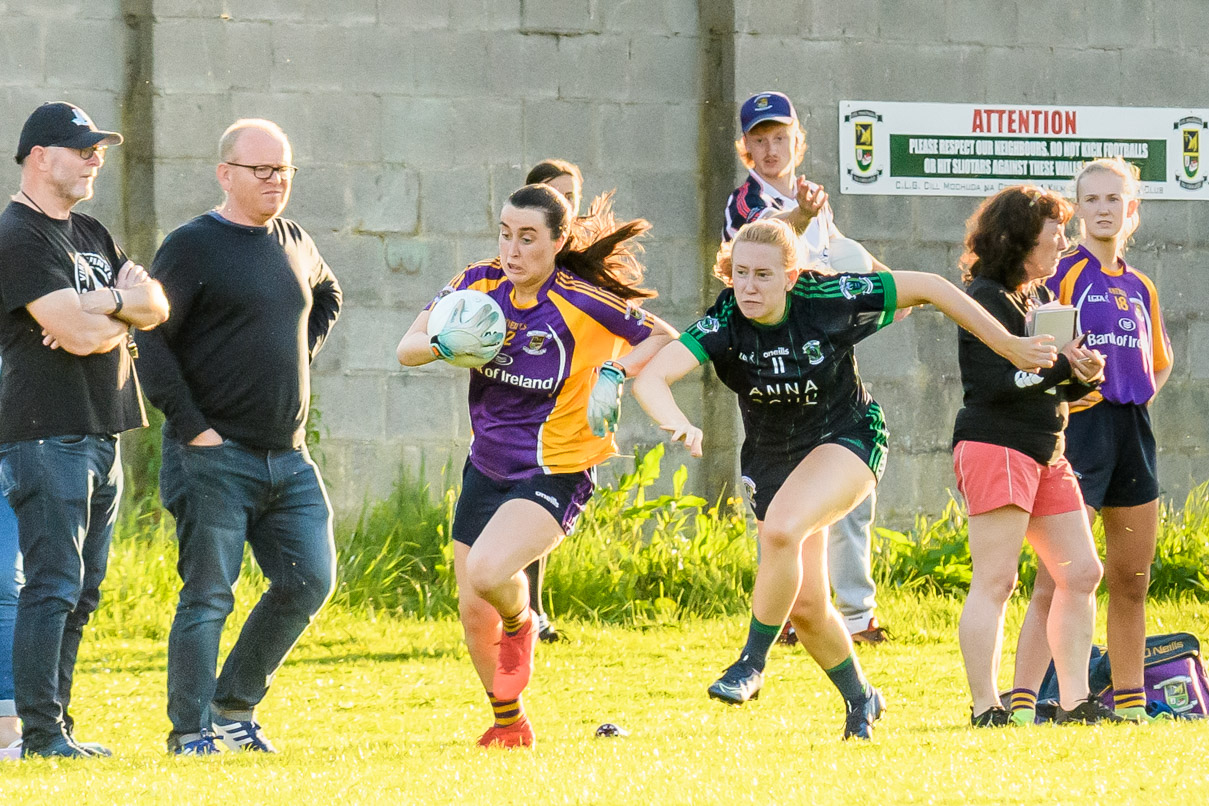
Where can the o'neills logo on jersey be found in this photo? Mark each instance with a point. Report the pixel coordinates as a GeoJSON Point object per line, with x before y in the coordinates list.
{"type": "Point", "coordinates": [862, 138]}
{"type": "Point", "coordinates": [1190, 135]}
{"type": "Point", "coordinates": [504, 376]}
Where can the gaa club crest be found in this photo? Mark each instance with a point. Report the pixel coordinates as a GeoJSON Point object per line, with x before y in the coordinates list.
{"type": "Point", "coordinates": [862, 121]}
{"type": "Point", "coordinates": [536, 345]}
{"type": "Point", "coordinates": [1190, 137]}
{"type": "Point", "coordinates": [853, 286]}
{"type": "Point", "coordinates": [813, 352]}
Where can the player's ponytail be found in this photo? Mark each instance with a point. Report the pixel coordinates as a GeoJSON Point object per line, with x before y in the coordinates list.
{"type": "Point", "coordinates": [598, 249]}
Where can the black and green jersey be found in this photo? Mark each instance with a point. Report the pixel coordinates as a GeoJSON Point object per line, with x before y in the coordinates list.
{"type": "Point", "coordinates": [797, 381]}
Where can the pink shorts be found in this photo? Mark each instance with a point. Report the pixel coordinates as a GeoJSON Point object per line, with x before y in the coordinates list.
{"type": "Point", "coordinates": [992, 476]}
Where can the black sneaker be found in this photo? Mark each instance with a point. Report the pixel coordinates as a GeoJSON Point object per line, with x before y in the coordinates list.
{"type": "Point", "coordinates": [858, 722]}
{"type": "Point", "coordinates": [546, 633]}
{"type": "Point", "coordinates": [788, 636]}
{"type": "Point", "coordinates": [739, 683]}
{"type": "Point", "coordinates": [994, 717]}
{"type": "Point", "coordinates": [1088, 712]}
{"type": "Point", "coordinates": [59, 747]}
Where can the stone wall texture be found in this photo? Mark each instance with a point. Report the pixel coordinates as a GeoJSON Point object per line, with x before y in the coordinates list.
{"type": "Point", "coordinates": [412, 120]}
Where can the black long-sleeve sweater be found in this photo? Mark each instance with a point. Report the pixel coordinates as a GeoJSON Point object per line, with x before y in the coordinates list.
{"type": "Point", "coordinates": [1003, 405]}
{"type": "Point", "coordinates": [251, 306]}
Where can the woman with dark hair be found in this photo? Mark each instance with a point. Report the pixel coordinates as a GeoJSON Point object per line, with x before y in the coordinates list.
{"type": "Point", "coordinates": [563, 176]}
{"type": "Point", "coordinates": [541, 411]}
{"type": "Point", "coordinates": [1007, 455]}
{"type": "Point", "coordinates": [1109, 441]}
{"type": "Point", "coordinates": [815, 441]}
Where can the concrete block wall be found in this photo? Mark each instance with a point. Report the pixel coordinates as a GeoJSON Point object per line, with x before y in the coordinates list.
{"type": "Point", "coordinates": [73, 51]}
{"type": "Point", "coordinates": [1086, 52]}
{"type": "Point", "coordinates": [412, 121]}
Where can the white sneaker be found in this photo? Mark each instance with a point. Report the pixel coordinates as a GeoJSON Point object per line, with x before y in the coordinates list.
{"type": "Point", "coordinates": [12, 752]}
{"type": "Point", "coordinates": [242, 735]}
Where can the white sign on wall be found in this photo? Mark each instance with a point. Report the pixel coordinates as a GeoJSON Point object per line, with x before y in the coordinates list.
{"type": "Point", "coordinates": [925, 149]}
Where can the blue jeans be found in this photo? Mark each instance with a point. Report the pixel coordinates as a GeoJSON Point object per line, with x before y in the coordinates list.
{"type": "Point", "coordinates": [10, 586]}
{"type": "Point", "coordinates": [65, 493]}
{"type": "Point", "coordinates": [222, 497]}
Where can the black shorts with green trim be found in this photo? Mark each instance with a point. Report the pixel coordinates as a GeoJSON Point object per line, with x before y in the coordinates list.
{"type": "Point", "coordinates": [764, 472]}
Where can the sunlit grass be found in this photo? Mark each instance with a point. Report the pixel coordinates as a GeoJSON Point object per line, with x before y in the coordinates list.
{"type": "Point", "coordinates": [387, 711]}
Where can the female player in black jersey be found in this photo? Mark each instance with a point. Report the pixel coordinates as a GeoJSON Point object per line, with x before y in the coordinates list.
{"type": "Point", "coordinates": [815, 445]}
{"type": "Point", "coordinates": [1007, 456]}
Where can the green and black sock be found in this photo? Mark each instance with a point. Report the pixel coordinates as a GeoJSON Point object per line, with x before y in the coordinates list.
{"type": "Point", "coordinates": [760, 638]}
{"type": "Point", "coordinates": [849, 678]}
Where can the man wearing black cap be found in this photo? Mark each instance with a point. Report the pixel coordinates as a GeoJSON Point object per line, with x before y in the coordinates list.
{"type": "Point", "coordinates": [772, 147]}
{"type": "Point", "coordinates": [69, 297]}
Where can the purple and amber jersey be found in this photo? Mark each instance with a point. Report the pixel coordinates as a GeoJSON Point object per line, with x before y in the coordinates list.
{"type": "Point", "coordinates": [1119, 312]}
{"type": "Point", "coordinates": [528, 406]}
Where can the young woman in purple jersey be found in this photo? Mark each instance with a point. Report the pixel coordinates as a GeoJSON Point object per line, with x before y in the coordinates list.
{"type": "Point", "coordinates": [1109, 441]}
{"type": "Point", "coordinates": [1007, 456]}
{"type": "Point", "coordinates": [565, 177]}
{"type": "Point", "coordinates": [815, 441]}
{"type": "Point", "coordinates": [541, 411]}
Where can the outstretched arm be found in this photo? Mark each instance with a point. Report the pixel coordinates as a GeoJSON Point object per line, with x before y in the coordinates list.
{"type": "Point", "coordinates": [653, 391]}
{"type": "Point", "coordinates": [919, 288]}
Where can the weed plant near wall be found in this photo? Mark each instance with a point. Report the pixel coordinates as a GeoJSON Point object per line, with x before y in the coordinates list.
{"type": "Point", "coordinates": [635, 557]}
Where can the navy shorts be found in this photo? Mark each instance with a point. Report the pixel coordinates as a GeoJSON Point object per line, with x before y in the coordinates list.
{"type": "Point", "coordinates": [764, 474]}
{"type": "Point", "coordinates": [563, 495]}
{"type": "Point", "coordinates": [1111, 447]}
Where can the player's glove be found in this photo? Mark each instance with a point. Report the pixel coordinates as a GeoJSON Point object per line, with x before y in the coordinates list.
{"type": "Point", "coordinates": [480, 337]}
{"type": "Point", "coordinates": [605, 399]}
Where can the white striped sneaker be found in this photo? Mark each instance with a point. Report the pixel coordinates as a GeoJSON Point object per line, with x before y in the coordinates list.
{"type": "Point", "coordinates": [242, 735]}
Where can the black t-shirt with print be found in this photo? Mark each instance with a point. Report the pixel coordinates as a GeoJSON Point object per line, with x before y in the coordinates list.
{"type": "Point", "coordinates": [45, 392]}
{"type": "Point", "coordinates": [797, 381]}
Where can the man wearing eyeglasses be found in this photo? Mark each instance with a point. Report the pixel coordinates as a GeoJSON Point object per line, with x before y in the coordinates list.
{"type": "Point", "coordinates": [253, 302]}
{"type": "Point", "coordinates": [69, 297]}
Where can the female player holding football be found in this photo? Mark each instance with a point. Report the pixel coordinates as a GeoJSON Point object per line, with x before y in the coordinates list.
{"type": "Point", "coordinates": [1109, 441]}
{"type": "Point", "coordinates": [1007, 455]}
{"type": "Point", "coordinates": [541, 411]}
{"type": "Point", "coordinates": [783, 339]}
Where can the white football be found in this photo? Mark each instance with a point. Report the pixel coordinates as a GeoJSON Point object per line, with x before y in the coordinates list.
{"type": "Point", "coordinates": [469, 306]}
{"type": "Point", "coordinates": [846, 255]}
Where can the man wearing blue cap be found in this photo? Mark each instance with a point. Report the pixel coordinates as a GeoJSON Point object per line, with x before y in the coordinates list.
{"type": "Point", "coordinates": [68, 297]}
{"type": "Point", "coordinates": [772, 147]}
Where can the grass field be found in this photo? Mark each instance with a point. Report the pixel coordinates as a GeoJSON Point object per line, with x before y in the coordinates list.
{"type": "Point", "coordinates": [387, 711]}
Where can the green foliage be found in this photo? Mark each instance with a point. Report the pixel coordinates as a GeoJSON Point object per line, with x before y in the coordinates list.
{"type": "Point", "coordinates": [397, 556]}
{"type": "Point", "coordinates": [635, 557]}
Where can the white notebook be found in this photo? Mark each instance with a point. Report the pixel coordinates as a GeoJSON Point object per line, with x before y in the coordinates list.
{"type": "Point", "coordinates": [1055, 319]}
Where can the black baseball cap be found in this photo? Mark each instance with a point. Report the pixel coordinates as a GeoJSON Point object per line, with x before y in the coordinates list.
{"type": "Point", "coordinates": [59, 123]}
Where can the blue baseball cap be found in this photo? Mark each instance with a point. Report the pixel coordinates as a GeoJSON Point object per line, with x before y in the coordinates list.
{"type": "Point", "coordinates": [766, 106]}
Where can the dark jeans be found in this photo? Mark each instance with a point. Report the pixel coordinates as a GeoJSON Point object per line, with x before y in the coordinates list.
{"type": "Point", "coordinates": [222, 497]}
{"type": "Point", "coordinates": [65, 492]}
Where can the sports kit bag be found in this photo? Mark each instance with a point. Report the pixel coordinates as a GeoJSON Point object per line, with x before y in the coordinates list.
{"type": "Point", "coordinates": [1173, 675]}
